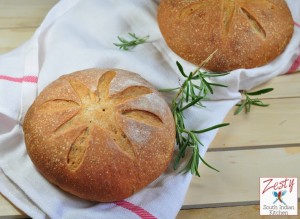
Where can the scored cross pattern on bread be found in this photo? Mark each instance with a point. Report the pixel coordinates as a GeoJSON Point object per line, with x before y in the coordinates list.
{"type": "Point", "coordinates": [245, 33]}
{"type": "Point", "coordinates": [230, 9]}
{"type": "Point", "coordinates": [98, 108]}
{"type": "Point", "coordinates": [110, 126]}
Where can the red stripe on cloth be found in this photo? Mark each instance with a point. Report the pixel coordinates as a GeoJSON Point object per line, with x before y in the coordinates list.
{"type": "Point", "coordinates": [296, 24]}
{"type": "Point", "coordinates": [142, 213]}
{"type": "Point", "coordinates": [295, 66]}
{"type": "Point", "coordinates": [30, 79]}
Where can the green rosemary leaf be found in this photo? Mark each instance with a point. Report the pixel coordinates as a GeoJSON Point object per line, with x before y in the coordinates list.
{"type": "Point", "coordinates": [196, 77]}
{"type": "Point", "coordinates": [190, 77]}
{"type": "Point", "coordinates": [193, 163]}
{"type": "Point", "coordinates": [181, 69]}
{"type": "Point", "coordinates": [248, 102]}
{"type": "Point", "coordinates": [194, 89]}
{"type": "Point", "coordinates": [181, 119]}
{"type": "Point", "coordinates": [189, 167]}
{"type": "Point", "coordinates": [210, 128]}
{"type": "Point", "coordinates": [207, 85]}
{"type": "Point", "coordinates": [180, 104]}
{"type": "Point", "coordinates": [213, 75]}
{"type": "Point", "coordinates": [248, 107]}
{"type": "Point", "coordinates": [240, 108]}
{"type": "Point", "coordinates": [197, 140]}
{"type": "Point", "coordinates": [121, 39]}
{"type": "Point", "coordinates": [179, 139]}
{"type": "Point", "coordinates": [187, 95]}
{"type": "Point", "coordinates": [129, 44]}
{"type": "Point", "coordinates": [168, 89]}
{"type": "Point", "coordinates": [192, 103]}
{"type": "Point", "coordinates": [193, 94]}
{"type": "Point", "coordinates": [259, 103]}
{"type": "Point", "coordinates": [218, 85]}
{"type": "Point", "coordinates": [196, 86]}
{"type": "Point", "coordinates": [211, 167]}
{"type": "Point", "coordinates": [181, 154]}
{"type": "Point", "coordinates": [259, 92]}
{"type": "Point", "coordinates": [133, 35]}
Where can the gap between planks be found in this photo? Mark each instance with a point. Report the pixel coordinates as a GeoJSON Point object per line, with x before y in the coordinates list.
{"type": "Point", "coordinates": [279, 91]}
{"type": "Point", "coordinates": [274, 126]}
{"type": "Point", "coordinates": [253, 147]}
{"type": "Point", "coordinates": [285, 86]}
{"type": "Point", "coordinates": [238, 180]}
{"type": "Point", "coordinates": [23, 14]}
{"type": "Point", "coordinates": [19, 20]}
{"type": "Point", "coordinates": [245, 212]}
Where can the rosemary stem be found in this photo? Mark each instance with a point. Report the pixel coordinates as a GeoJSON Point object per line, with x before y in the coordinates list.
{"type": "Point", "coordinates": [193, 74]}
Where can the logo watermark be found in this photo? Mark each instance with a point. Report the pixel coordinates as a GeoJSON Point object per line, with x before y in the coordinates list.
{"type": "Point", "coordinates": [278, 196]}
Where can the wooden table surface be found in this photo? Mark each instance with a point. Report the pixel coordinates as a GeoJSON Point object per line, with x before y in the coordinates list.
{"type": "Point", "coordinates": [251, 147]}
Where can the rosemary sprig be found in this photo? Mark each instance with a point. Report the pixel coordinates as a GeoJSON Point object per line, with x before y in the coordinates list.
{"type": "Point", "coordinates": [194, 89]}
{"type": "Point", "coordinates": [248, 102]}
{"type": "Point", "coordinates": [129, 44]}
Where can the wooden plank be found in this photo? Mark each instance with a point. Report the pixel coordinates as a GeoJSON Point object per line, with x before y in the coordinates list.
{"type": "Point", "coordinates": [7, 210]}
{"type": "Point", "coordinates": [15, 18]}
{"type": "Point", "coordinates": [285, 86]}
{"type": "Point", "coordinates": [272, 126]}
{"type": "Point", "coordinates": [245, 212]}
{"type": "Point", "coordinates": [12, 38]}
{"type": "Point", "coordinates": [219, 189]}
{"type": "Point", "coordinates": [237, 183]}
{"type": "Point", "coordinates": [19, 19]}
{"type": "Point", "coordinates": [25, 13]}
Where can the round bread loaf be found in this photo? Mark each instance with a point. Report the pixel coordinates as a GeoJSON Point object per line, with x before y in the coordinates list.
{"type": "Point", "coordinates": [101, 135]}
{"type": "Point", "coordinates": [245, 33]}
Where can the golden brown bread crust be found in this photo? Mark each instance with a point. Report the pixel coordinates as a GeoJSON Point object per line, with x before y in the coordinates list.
{"type": "Point", "coordinates": [101, 135]}
{"type": "Point", "coordinates": [246, 33]}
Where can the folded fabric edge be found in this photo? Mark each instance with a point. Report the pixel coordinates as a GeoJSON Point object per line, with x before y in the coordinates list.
{"type": "Point", "coordinates": [12, 192]}
{"type": "Point", "coordinates": [31, 65]}
{"type": "Point", "coordinates": [0, 190]}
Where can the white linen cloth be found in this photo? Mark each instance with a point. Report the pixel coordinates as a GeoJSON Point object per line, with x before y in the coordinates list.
{"type": "Point", "coordinates": [77, 35]}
